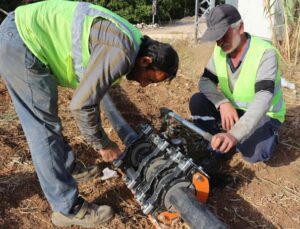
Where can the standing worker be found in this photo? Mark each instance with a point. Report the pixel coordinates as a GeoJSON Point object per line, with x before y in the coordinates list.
{"type": "Point", "coordinates": [249, 106]}
{"type": "Point", "coordinates": [81, 46]}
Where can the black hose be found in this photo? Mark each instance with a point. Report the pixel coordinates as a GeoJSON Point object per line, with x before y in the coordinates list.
{"type": "Point", "coordinates": [194, 213]}
{"type": "Point", "coordinates": [124, 131]}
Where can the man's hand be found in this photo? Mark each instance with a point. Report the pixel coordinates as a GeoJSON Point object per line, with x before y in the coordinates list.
{"type": "Point", "coordinates": [229, 116]}
{"type": "Point", "coordinates": [223, 142]}
{"type": "Point", "coordinates": [111, 152]}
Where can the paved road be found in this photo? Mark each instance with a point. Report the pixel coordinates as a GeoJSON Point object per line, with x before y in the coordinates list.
{"type": "Point", "coordinates": [177, 30]}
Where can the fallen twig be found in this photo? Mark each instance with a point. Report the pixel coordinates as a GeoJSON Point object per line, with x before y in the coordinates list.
{"type": "Point", "coordinates": [251, 222]}
{"type": "Point", "coordinates": [289, 145]}
{"type": "Point", "coordinates": [289, 190]}
{"type": "Point", "coordinates": [42, 220]}
{"type": "Point", "coordinates": [3, 11]}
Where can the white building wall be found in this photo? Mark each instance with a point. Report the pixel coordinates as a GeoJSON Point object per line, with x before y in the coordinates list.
{"type": "Point", "coordinates": [257, 20]}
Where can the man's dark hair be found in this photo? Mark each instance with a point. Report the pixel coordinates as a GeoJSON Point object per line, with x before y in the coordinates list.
{"type": "Point", "coordinates": [164, 56]}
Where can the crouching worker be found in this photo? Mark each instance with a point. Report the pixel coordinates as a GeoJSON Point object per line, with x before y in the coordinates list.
{"type": "Point", "coordinates": [81, 46]}
{"type": "Point", "coordinates": [247, 110]}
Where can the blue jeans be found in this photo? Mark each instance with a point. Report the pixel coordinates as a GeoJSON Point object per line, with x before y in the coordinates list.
{"type": "Point", "coordinates": [259, 146]}
{"type": "Point", "coordinates": [33, 90]}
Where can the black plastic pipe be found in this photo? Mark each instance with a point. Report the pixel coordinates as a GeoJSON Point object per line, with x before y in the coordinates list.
{"type": "Point", "coordinates": [123, 129]}
{"type": "Point", "coordinates": [194, 213]}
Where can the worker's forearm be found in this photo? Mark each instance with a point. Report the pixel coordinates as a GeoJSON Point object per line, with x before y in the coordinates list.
{"type": "Point", "coordinates": [249, 121]}
{"type": "Point", "coordinates": [89, 123]}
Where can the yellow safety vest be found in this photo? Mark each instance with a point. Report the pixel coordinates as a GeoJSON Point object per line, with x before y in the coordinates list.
{"type": "Point", "coordinates": [244, 89]}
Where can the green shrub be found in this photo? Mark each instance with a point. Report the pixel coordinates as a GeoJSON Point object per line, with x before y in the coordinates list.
{"type": "Point", "coordinates": [133, 10]}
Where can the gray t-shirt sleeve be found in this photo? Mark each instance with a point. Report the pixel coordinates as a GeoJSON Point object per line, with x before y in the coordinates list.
{"type": "Point", "coordinates": [209, 88]}
{"type": "Point", "coordinates": [264, 91]}
{"type": "Point", "coordinates": [108, 62]}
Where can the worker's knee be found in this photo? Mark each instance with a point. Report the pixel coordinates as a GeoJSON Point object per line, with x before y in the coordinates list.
{"type": "Point", "coordinates": [196, 100]}
{"type": "Point", "coordinates": [199, 104]}
{"type": "Point", "coordinates": [258, 157]}
{"type": "Point", "coordinates": [262, 151]}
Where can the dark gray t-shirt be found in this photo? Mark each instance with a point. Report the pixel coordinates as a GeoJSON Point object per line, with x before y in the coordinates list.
{"type": "Point", "coordinates": [112, 56]}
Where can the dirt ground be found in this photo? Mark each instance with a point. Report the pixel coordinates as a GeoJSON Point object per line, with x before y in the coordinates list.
{"type": "Point", "coordinates": [263, 195]}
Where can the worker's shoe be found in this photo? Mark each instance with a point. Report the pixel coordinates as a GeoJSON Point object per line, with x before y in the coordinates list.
{"type": "Point", "coordinates": [82, 173]}
{"type": "Point", "coordinates": [89, 215]}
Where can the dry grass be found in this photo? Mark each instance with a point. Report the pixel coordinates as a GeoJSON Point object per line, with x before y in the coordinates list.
{"type": "Point", "coordinates": [289, 48]}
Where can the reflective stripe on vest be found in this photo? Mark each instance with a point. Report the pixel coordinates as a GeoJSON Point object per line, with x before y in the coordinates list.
{"type": "Point", "coordinates": [82, 10]}
{"type": "Point", "coordinates": [276, 108]}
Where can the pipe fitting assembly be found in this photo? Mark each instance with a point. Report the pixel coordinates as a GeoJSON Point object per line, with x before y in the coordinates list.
{"type": "Point", "coordinates": [164, 180]}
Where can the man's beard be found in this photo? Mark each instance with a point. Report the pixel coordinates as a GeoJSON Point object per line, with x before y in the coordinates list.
{"type": "Point", "coordinates": [235, 44]}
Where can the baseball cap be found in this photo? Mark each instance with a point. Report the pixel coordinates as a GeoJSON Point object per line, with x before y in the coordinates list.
{"type": "Point", "coordinates": [218, 21]}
